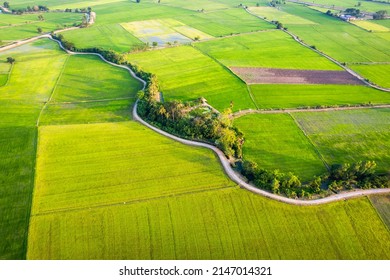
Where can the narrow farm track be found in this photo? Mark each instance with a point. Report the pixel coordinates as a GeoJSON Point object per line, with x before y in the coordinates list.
{"type": "Point", "coordinates": [350, 71]}
{"type": "Point", "coordinates": [224, 161]}
{"type": "Point", "coordinates": [289, 111]}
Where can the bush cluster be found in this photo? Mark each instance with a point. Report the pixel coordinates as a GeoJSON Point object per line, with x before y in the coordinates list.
{"type": "Point", "coordinates": [191, 120]}
{"type": "Point", "coordinates": [346, 176]}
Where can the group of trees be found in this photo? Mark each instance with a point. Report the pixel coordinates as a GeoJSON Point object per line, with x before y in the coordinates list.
{"type": "Point", "coordinates": [190, 120]}
{"type": "Point", "coordinates": [353, 12]}
{"type": "Point", "coordinates": [380, 14]}
{"type": "Point", "coordinates": [29, 9]}
{"type": "Point", "coordinates": [77, 10]}
{"type": "Point", "coordinates": [358, 175]}
{"type": "Point", "coordinates": [10, 60]}
{"type": "Point", "coordinates": [279, 183]}
{"type": "Point", "coordinates": [341, 177]}
{"type": "Point", "coordinates": [275, 3]}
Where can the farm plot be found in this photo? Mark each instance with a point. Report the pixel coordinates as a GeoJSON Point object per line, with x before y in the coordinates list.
{"type": "Point", "coordinates": [295, 96]}
{"type": "Point", "coordinates": [88, 78]}
{"type": "Point", "coordinates": [206, 5]}
{"type": "Point", "coordinates": [186, 74]}
{"type": "Point", "coordinates": [376, 73]}
{"type": "Point", "coordinates": [286, 76]}
{"type": "Point", "coordinates": [341, 40]}
{"type": "Point", "coordinates": [87, 112]}
{"type": "Point", "coordinates": [29, 28]}
{"type": "Point", "coordinates": [370, 26]}
{"type": "Point", "coordinates": [163, 31]}
{"type": "Point", "coordinates": [19, 109]}
{"type": "Point", "coordinates": [382, 205]}
{"type": "Point", "coordinates": [275, 142]}
{"type": "Point", "coordinates": [220, 224]}
{"type": "Point", "coordinates": [383, 22]}
{"type": "Point", "coordinates": [365, 6]}
{"type": "Point", "coordinates": [107, 36]}
{"type": "Point", "coordinates": [273, 14]}
{"type": "Point", "coordinates": [225, 22]}
{"type": "Point", "coordinates": [273, 49]}
{"type": "Point", "coordinates": [81, 166]}
{"type": "Point", "coordinates": [5, 68]}
{"type": "Point", "coordinates": [350, 136]}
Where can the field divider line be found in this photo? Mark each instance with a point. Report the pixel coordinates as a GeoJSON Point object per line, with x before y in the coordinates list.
{"type": "Point", "coordinates": [350, 71]}
{"type": "Point", "coordinates": [129, 202]}
{"type": "Point", "coordinates": [53, 90]}
{"type": "Point", "coordinates": [283, 111]}
{"type": "Point", "coordinates": [233, 175]}
{"type": "Point", "coordinates": [8, 75]}
{"type": "Point", "coordinates": [310, 141]}
{"type": "Point", "coordinates": [93, 101]}
{"type": "Point", "coordinates": [229, 71]}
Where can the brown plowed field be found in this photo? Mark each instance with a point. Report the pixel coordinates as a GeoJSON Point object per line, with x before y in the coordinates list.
{"type": "Point", "coordinates": [288, 76]}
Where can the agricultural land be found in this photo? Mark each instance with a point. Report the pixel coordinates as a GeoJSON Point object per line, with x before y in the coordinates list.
{"type": "Point", "coordinates": [293, 89]}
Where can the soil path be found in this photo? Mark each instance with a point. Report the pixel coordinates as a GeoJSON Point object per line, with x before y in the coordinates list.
{"type": "Point", "coordinates": [234, 176]}
{"type": "Point", "coordinates": [288, 111]}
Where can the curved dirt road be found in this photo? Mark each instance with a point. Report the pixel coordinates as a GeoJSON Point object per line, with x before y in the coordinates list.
{"type": "Point", "coordinates": [225, 163]}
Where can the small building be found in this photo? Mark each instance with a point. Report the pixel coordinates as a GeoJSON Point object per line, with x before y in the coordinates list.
{"type": "Point", "coordinates": [347, 17]}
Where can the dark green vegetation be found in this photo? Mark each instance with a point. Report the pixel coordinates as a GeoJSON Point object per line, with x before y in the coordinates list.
{"type": "Point", "coordinates": [192, 121]}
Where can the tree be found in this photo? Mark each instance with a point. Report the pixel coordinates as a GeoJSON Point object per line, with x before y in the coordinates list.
{"type": "Point", "coordinates": [154, 44]}
{"type": "Point", "coordinates": [138, 1]}
{"type": "Point", "coordinates": [379, 14]}
{"type": "Point", "coordinates": [11, 60]}
{"type": "Point", "coordinates": [39, 30]}
{"type": "Point", "coordinates": [6, 5]}
{"type": "Point", "coordinates": [249, 169]}
{"type": "Point", "coordinates": [279, 25]}
{"type": "Point", "coordinates": [275, 186]}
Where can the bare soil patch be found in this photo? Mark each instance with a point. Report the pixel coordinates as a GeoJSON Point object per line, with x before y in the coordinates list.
{"type": "Point", "coordinates": [254, 75]}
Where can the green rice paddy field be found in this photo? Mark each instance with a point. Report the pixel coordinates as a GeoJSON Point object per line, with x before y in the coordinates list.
{"type": "Point", "coordinates": [45, 69]}
{"type": "Point", "coordinates": [349, 136]}
{"type": "Point", "coordinates": [341, 40]}
{"type": "Point", "coordinates": [187, 74]}
{"type": "Point", "coordinates": [79, 179]}
{"type": "Point", "coordinates": [302, 141]}
{"type": "Point", "coordinates": [274, 141]}
{"type": "Point", "coordinates": [378, 74]}
{"type": "Point", "coordinates": [273, 49]}
{"type": "Point", "coordinates": [25, 26]}
{"type": "Point", "coordinates": [19, 110]}
{"type": "Point", "coordinates": [269, 96]}
{"type": "Point", "coordinates": [170, 201]}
